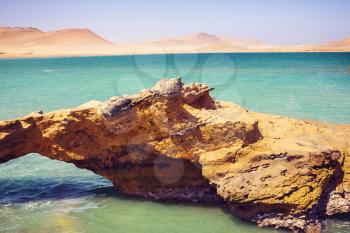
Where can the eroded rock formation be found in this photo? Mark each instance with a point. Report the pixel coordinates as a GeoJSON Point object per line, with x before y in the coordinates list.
{"type": "Point", "coordinates": [174, 142]}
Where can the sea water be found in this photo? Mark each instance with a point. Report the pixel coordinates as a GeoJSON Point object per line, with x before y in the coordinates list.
{"type": "Point", "coordinates": [41, 195]}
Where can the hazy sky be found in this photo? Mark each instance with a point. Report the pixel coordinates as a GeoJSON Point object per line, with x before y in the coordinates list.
{"type": "Point", "coordinates": [273, 21]}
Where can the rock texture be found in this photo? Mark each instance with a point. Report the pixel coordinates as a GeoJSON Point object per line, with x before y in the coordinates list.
{"type": "Point", "coordinates": [174, 142]}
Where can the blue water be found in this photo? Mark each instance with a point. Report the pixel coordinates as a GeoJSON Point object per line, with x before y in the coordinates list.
{"type": "Point", "coordinates": [40, 195]}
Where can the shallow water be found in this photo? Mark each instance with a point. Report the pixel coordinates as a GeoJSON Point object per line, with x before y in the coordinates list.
{"type": "Point", "coordinates": [40, 195]}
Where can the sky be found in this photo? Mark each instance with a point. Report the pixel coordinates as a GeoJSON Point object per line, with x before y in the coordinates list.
{"type": "Point", "coordinates": [272, 21]}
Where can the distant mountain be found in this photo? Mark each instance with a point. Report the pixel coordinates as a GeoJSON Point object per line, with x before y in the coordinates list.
{"type": "Point", "coordinates": [16, 41]}
{"type": "Point", "coordinates": [245, 42]}
{"type": "Point", "coordinates": [73, 37]}
{"type": "Point", "coordinates": [199, 42]}
{"type": "Point", "coordinates": [338, 45]}
{"type": "Point", "coordinates": [14, 36]}
{"type": "Point", "coordinates": [333, 46]}
{"type": "Point", "coordinates": [196, 40]}
{"type": "Point", "coordinates": [20, 42]}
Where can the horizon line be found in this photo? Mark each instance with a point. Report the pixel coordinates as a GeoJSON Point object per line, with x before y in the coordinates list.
{"type": "Point", "coordinates": [219, 36]}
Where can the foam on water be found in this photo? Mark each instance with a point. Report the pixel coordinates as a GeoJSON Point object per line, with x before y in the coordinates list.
{"type": "Point", "coordinates": [41, 195]}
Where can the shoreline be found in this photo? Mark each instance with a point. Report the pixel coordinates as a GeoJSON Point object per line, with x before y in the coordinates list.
{"type": "Point", "coordinates": [38, 56]}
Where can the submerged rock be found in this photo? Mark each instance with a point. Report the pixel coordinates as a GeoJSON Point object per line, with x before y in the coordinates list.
{"type": "Point", "coordinates": [174, 142]}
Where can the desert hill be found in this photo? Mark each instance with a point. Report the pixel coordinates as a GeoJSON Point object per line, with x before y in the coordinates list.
{"type": "Point", "coordinates": [32, 42]}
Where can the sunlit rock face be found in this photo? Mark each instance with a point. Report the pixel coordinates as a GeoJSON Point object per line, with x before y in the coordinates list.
{"type": "Point", "coordinates": [174, 142]}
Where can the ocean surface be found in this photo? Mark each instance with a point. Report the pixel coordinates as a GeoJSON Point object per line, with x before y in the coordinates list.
{"type": "Point", "coordinates": [40, 195]}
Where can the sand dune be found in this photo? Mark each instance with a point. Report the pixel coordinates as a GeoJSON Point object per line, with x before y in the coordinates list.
{"type": "Point", "coordinates": [202, 42]}
{"type": "Point", "coordinates": [16, 36]}
{"type": "Point", "coordinates": [32, 42]}
{"type": "Point", "coordinates": [62, 38]}
{"type": "Point", "coordinates": [339, 45]}
{"type": "Point", "coordinates": [333, 46]}
{"type": "Point", "coordinates": [71, 38]}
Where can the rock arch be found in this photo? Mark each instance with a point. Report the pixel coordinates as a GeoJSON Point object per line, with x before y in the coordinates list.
{"type": "Point", "coordinates": [174, 142]}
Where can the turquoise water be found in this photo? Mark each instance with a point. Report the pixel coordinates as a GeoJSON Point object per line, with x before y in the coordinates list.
{"type": "Point", "coordinates": [40, 195]}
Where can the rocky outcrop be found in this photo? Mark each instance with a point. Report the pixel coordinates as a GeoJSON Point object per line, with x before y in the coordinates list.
{"type": "Point", "coordinates": [174, 142]}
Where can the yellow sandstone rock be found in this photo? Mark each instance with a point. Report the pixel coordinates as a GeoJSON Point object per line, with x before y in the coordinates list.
{"type": "Point", "coordinates": [174, 142]}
